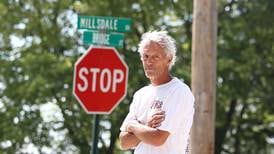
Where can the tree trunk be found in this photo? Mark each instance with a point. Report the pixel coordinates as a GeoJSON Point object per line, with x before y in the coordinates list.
{"type": "Point", "coordinates": [113, 137]}
{"type": "Point", "coordinates": [223, 130]}
{"type": "Point", "coordinates": [237, 143]}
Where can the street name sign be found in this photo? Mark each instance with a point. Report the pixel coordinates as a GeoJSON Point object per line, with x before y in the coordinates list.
{"type": "Point", "coordinates": [115, 24]}
{"type": "Point", "coordinates": [107, 39]}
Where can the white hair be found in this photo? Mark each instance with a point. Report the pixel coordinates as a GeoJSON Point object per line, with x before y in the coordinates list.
{"type": "Point", "coordinates": [163, 39]}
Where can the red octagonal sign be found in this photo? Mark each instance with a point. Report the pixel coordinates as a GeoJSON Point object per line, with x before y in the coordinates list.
{"type": "Point", "coordinates": [100, 80]}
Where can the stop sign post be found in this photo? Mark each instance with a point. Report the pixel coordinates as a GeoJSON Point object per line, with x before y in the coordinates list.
{"type": "Point", "coordinates": [100, 80]}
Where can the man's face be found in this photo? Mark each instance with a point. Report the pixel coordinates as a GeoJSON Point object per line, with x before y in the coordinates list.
{"type": "Point", "coordinates": [155, 61]}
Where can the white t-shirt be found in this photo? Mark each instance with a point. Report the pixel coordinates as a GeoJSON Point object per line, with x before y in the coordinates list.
{"type": "Point", "coordinates": [176, 99]}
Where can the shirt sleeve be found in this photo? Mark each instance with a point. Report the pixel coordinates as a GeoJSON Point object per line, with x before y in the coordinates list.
{"type": "Point", "coordinates": [179, 110]}
{"type": "Point", "coordinates": [131, 116]}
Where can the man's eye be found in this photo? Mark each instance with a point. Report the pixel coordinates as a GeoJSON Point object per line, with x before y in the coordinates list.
{"type": "Point", "coordinates": [145, 56]}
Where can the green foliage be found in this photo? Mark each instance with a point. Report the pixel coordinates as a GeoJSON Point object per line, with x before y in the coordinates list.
{"type": "Point", "coordinates": [39, 44]}
{"type": "Point", "coordinates": [245, 77]}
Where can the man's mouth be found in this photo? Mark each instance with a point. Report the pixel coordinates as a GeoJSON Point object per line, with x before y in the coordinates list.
{"type": "Point", "coordinates": [148, 68]}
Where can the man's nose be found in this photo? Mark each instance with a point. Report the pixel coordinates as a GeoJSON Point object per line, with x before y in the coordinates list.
{"type": "Point", "coordinates": [149, 63]}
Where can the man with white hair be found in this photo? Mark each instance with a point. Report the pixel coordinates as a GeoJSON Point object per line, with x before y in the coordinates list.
{"type": "Point", "coordinates": [161, 114]}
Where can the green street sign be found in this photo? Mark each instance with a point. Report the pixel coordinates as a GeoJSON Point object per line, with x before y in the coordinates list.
{"type": "Point", "coordinates": [115, 24]}
{"type": "Point", "coordinates": [107, 39]}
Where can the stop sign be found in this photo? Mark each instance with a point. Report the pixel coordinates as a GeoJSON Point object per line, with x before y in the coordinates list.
{"type": "Point", "coordinates": [100, 80]}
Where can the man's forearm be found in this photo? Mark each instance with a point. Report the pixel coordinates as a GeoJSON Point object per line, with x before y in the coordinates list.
{"type": "Point", "coordinates": [128, 140]}
{"type": "Point", "coordinates": [147, 134]}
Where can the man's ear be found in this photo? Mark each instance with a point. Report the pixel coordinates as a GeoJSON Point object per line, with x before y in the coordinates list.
{"type": "Point", "coordinates": [169, 58]}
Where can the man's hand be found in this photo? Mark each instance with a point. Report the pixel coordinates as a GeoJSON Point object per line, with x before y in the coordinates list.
{"type": "Point", "coordinates": [156, 119]}
{"type": "Point", "coordinates": [137, 132]}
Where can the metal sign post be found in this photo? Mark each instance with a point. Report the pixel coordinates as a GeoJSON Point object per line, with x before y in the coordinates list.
{"type": "Point", "coordinates": [95, 134]}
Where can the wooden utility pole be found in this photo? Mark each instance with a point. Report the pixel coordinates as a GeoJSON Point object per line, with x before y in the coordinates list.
{"type": "Point", "coordinates": [204, 33]}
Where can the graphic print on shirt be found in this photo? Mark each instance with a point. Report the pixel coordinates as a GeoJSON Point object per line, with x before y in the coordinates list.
{"type": "Point", "coordinates": [156, 104]}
